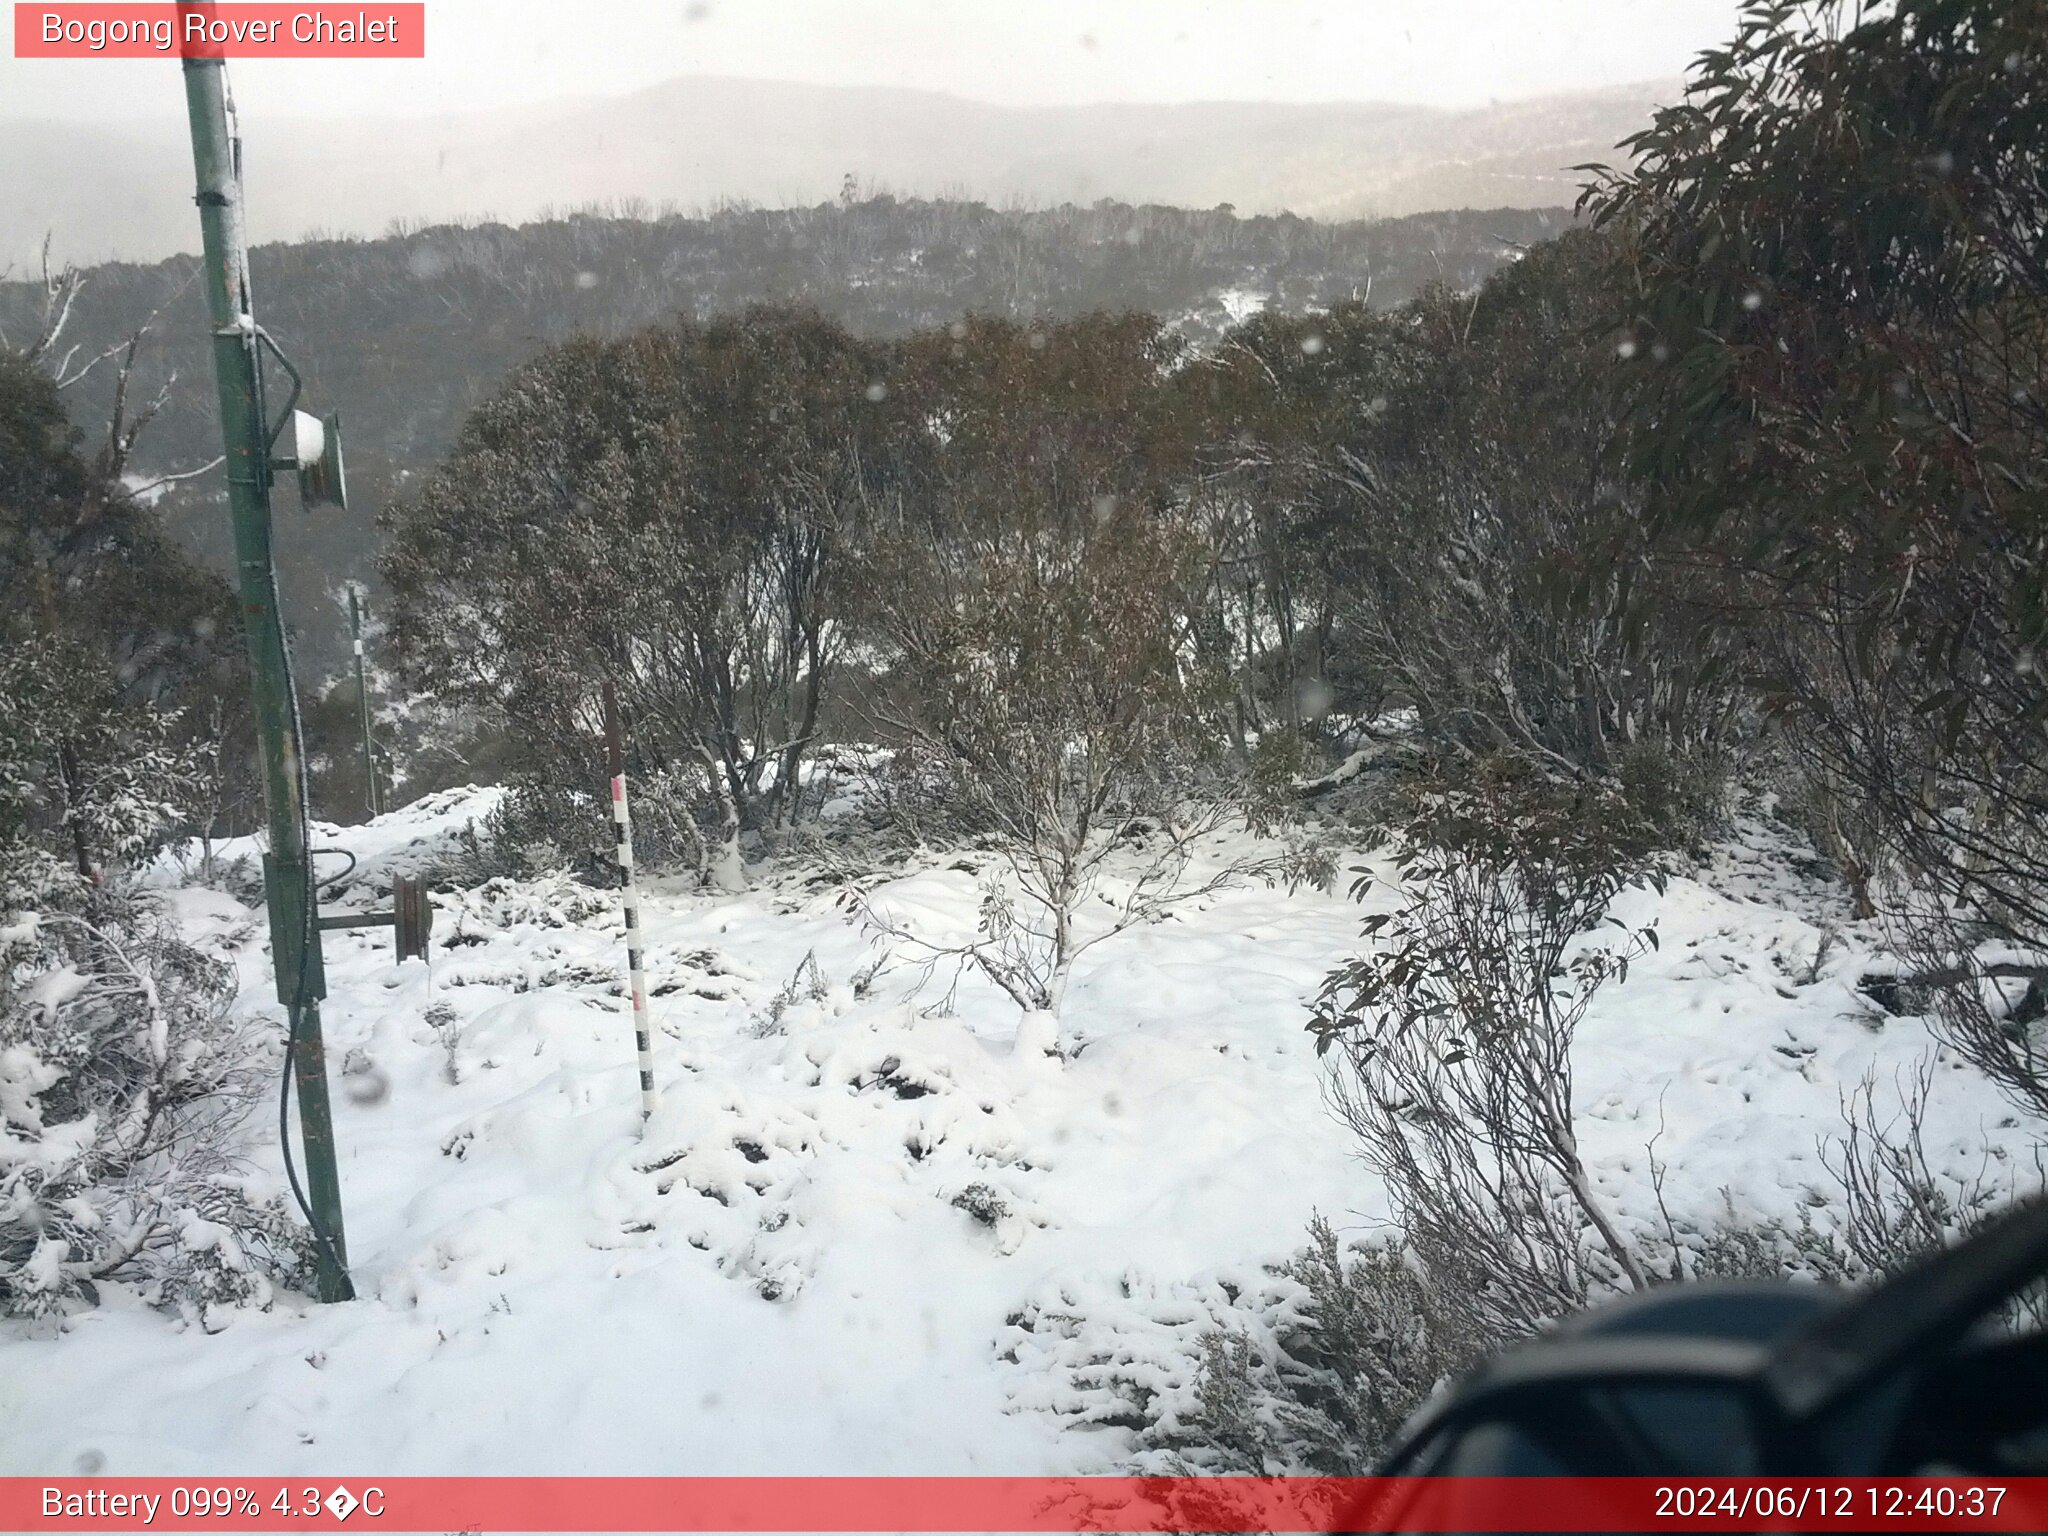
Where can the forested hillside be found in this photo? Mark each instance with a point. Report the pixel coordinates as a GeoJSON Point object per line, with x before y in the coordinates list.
{"type": "Point", "coordinates": [406, 334]}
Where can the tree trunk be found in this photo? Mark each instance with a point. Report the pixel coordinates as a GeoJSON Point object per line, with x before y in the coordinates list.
{"type": "Point", "coordinates": [67, 765]}
{"type": "Point", "coordinates": [724, 867]}
{"type": "Point", "coordinates": [1038, 1035]}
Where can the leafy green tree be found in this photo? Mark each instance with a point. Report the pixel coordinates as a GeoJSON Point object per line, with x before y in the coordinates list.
{"type": "Point", "coordinates": [87, 778]}
{"type": "Point", "coordinates": [127, 1077]}
{"type": "Point", "coordinates": [1840, 393]}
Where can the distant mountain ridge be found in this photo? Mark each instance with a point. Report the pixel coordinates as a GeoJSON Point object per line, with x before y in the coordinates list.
{"type": "Point", "coordinates": [124, 193]}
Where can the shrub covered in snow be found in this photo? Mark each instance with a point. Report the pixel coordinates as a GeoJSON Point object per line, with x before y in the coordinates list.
{"type": "Point", "coordinates": [124, 1083]}
{"type": "Point", "coordinates": [542, 825]}
{"type": "Point", "coordinates": [1453, 1038]}
{"type": "Point", "coordinates": [1319, 1372]}
{"type": "Point", "coordinates": [1358, 1340]}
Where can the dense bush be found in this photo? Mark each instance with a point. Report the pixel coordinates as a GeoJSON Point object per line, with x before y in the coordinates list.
{"type": "Point", "coordinates": [1319, 1372]}
{"type": "Point", "coordinates": [125, 1085]}
{"type": "Point", "coordinates": [1369, 1336]}
{"type": "Point", "coordinates": [1452, 1038]}
{"type": "Point", "coordinates": [1838, 396]}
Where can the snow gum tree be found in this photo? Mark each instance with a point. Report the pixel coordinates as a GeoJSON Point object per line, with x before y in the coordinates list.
{"type": "Point", "coordinates": [662, 512]}
{"type": "Point", "coordinates": [106, 633]}
{"type": "Point", "coordinates": [1839, 402]}
{"type": "Point", "coordinates": [1282, 406]}
{"type": "Point", "coordinates": [1029, 576]}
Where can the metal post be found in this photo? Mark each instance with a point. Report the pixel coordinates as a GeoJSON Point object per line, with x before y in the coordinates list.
{"type": "Point", "coordinates": [294, 937]}
{"type": "Point", "coordinates": [355, 629]}
{"type": "Point", "coordinates": [615, 761]}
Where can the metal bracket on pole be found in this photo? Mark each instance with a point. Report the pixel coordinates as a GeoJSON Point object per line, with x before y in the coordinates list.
{"type": "Point", "coordinates": [290, 401]}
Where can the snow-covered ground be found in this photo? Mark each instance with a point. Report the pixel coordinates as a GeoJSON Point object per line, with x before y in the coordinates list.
{"type": "Point", "coordinates": [863, 1234]}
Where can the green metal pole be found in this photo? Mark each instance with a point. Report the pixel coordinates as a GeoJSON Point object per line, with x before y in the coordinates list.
{"type": "Point", "coordinates": [294, 939]}
{"type": "Point", "coordinates": [355, 626]}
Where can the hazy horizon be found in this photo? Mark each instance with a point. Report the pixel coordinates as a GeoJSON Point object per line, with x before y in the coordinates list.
{"type": "Point", "coordinates": [485, 54]}
{"type": "Point", "coordinates": [121, 190]}
{"type": "Point", "coordinates": [1644, 85]}
{"type": "Point", "coordinates": [1377, 108]}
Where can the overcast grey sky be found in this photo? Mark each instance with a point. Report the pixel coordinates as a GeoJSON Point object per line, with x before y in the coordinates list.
{"type": "Point", "coordinates": [483, 53]}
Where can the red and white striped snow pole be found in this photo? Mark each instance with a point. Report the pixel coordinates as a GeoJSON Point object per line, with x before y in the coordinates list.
{"type": "Point", "coordinates": [629, 891]}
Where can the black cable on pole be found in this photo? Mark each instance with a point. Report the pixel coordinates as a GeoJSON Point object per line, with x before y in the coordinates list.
{"type": "Point", "coordinates": [302, 984]}
{"type": "Point", "coordinates": [333, 880]}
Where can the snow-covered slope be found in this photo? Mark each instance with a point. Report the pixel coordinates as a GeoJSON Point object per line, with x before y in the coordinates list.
{"type": "Point", "coordinates": [837, 1246]}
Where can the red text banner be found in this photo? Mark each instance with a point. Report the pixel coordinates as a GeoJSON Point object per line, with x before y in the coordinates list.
{"type": "Point", "coordinates": [258, 29]}
{"type": "Point", "coordinates": [1024, 1504]}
